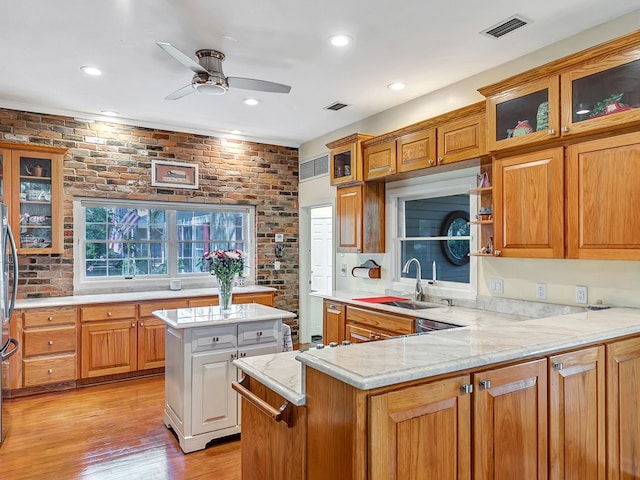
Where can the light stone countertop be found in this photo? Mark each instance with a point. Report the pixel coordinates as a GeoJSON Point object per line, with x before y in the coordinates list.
{"type": "Point", "coordinates": [481, 343]}
{"type": "Point", "coordinates": [131, 296]}
{"type": "Point", "coordinates": [208, 316]}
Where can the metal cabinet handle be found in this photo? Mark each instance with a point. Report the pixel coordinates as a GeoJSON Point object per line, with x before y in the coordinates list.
{"type": "Point", "coordinates": [497, 253]}
{"type": "Point", "coordinates": [258, 334]}
{"type": "Point", "coordinates": [50, 371]}
{"type": "Point", "coordinates": [50, 342]}
{"type": "Point", "coordinates": [558, 366]}
{"type": "Point", "coordinates": [50, 319]}
{"type": "Point", "coordinates": [276, 414]}
{"type": "Point", "coordinates": [440, 159]}
{"type": "Point", "coordinates": [234, 356]}
{"type": "Point", "coordinates": [466, 388]}
{"type": "Point", "coordinates": [551, 131]}
{"type": "Point", "coordinates": [109, 314]}
{"type": "Point", "coordinates": [142, 324]}
{"type": "Point", "coordinates": [334, 311]}
{"type": "Point", "coordinates": [565, 129]}
{"type": "Point", "coordinates": [133, 324]}
{"type": "Point", "coordinates": [431, 161]}
{"type": "Point", "coordinates": [485, 384]}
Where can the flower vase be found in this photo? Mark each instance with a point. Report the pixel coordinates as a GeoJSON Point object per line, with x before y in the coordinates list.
{"type": "Point", "coordinates": [225, 293]}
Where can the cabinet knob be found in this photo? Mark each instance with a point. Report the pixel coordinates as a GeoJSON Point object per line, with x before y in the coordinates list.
{"type": "Point", "coordinates": [466, 388]}
{"type": "Point", "coordinates": [565, 129]}
{"type": "Point", "coordinates": [109, 314]}
{"type": "Point", "coordinates": [50, 319]}
{"type": "Point", "coordinates": [431, 161]}
{"type": "Point", "coordinates": [133, 324]}
{"type": "Point", "coordinates": [142, 324]}
{"type": "Point", "coordinates": [551, 131]}
{"type": "Point", "coordinates": [440, 159]}
{"type": "Point", "coordinates": [234, 356]}
{"type": "Point", "coordinates": [497, 253]}
{"type": "Point", "coordinates": [485, 384]}
{"type": "Point", "coordinates": [50, 342]}
{"type": "Point", "coordinates": [258, 334]}
{"type": "Point", "coordinates": [50, 371]}
{"type": "Point", "coordinates": [558, 366]}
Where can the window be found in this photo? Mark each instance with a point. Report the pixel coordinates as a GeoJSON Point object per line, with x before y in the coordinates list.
{"type": "Point", "coordinates": [148, 242]}
{"type": "Point", "coordinates": [430, 224]}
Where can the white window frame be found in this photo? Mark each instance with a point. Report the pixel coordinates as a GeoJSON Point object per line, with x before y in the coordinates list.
{"type": "Point", "coordinates": [84, 284]}
{"type": "Point", "coordinates": [429, 187]}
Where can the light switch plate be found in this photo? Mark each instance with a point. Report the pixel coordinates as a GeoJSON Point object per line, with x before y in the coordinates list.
{"type": "Point", "coordinates": [495, 285]}
{"type": "Point", "coordinates": [581, 294]}
{"type": "Point", "coordinates": [279, 237]}
{"type": "Point", "coordinates": [541, 291]}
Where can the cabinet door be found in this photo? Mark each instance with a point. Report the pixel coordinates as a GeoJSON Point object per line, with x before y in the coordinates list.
{"type": "Point", "coordinates": [623, 409]}
{"type": "Point", "coordinates": [422, 432]}
{"type": "Point", "coordinates": [150, 343]}
{"type": "Point", "coordinates": [416, 150]}
{"type": "Point", "coordinates": [528, 205]}
{"type": "Point", "coordinates": [379, 160]}
{"type": "Point", "coordinates": [362, 334]}
{"type": "Point", "coordinates": [525, 115]}
{"type": "Point", "coordinates": [602, 198]}
{"type": "Point", "coordinates": [37, 201]}
{"type": "Point", "coordinates": [577, 415]}
{"type": "Point", "coordinates": [5, 175]}
{"type": "Point", "coordinates": [214, 405]}
{"type": "Point", "coordinates": [349, 209]}
{"type": "Point", "coordinates": [343, 166]}
{"type": "Point", "coordinates": [510, 422]}
{"type": "Point", "coordinates": [108, 348]}
{"type": "Point", "coordinates": [462, 139]}
{"type": "Point", "coordinates": [333, 324]}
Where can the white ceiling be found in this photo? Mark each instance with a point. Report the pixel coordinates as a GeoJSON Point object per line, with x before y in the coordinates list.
{"type": "Point", "coordinates": [424, 43]}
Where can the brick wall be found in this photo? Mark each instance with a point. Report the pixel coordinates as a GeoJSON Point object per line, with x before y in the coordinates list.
{"type": "Point", "coordinates": [109, 160]}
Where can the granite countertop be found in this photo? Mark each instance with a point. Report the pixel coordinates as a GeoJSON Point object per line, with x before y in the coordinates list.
{"type": "Point", "coordinates": [131, 296]}
{"type": "Point", "coordinates": [377, 364]}
{"type": "Point", "coordinates": [207, 316]}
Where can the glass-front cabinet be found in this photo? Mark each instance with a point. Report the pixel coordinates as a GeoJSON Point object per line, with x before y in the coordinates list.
{"type": "Point", "coordinates": [524, 115]}
{"type": "Point", "coordinates": [31, 186]}
{"type": "Point", "coordinates": [345, 159]}
{"type": "Point", "coordinates": [601, 94]}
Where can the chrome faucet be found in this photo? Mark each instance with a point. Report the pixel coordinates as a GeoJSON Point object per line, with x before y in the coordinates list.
{"type": "Point", "coordinates": [419, 294]}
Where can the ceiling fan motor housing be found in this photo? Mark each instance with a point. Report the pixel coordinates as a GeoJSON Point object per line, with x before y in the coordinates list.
{"type": "Point", "coordinates": [213, 82]}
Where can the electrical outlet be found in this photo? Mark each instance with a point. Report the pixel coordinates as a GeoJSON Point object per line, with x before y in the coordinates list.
{"type": "Point", "coordinates": [343, 270]}
{"type": "Point", "coordinates": [541, 291]}
{"type": "Point", "coordinates": [581, 294]}
{"type": "Point", "coordinates": [279, 237]}
{"type": "Point", "coordinates": [495, 285]}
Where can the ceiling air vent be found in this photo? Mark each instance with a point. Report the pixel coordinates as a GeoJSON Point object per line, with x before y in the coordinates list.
{"type": "Point", "coordinates": [335, 106]}
{"type": "Point", "coordinates": [506, 26]}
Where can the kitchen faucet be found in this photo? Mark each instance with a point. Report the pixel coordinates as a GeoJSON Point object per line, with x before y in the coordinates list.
{"type": "Point", "coordinates": [419, 294]}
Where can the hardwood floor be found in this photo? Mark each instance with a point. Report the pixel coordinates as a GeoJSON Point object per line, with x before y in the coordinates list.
{"type": "Point", "coordinates": [113, 431]}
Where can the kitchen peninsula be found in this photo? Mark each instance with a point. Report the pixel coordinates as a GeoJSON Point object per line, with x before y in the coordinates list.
{"type": "Point", "coordinates": [528, 399]}
{"type": "Point", "coordinates": [201, 343]}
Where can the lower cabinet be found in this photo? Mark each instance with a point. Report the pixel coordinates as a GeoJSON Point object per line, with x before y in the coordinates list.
{"type": "Point", "coordinates": [368, 325]}
{"type": "Point", "coordinates": [333, 324]}
{"type": "Point", "coordinates": [422, 432]}
{"type": "Point", "coordinates": [200, 404]}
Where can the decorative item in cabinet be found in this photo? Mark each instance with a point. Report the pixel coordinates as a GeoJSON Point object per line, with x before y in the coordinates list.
{"type": "Point", "coordinates": [484, 217]}
{"type": "Point", "coordinates": [601, 95]}
{"type": "Point", "coordinates": [345, 159]}
{"type": "Point", "coordinates": [527, 114]}
{"type": "Point", "coordinates": [35, 197]}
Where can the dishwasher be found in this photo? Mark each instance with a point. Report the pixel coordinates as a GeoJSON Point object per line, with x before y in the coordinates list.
{"type": "Point", "coordinates": [426, 325]}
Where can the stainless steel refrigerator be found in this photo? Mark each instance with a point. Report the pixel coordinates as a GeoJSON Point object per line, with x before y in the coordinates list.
{"type": "Point", "coordinates": [8, 291]}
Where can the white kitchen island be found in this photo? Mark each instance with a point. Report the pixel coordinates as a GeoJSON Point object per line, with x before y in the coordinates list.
{"type": "Point", "coordinates": [201, 344]}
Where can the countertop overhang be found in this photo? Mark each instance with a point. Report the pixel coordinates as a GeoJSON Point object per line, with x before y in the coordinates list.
{"type": "Point", "coordinates": [209, 316]}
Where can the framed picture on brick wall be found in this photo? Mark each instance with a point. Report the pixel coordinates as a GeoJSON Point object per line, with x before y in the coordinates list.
{"type": "Point", "coordinates": [174, 174]}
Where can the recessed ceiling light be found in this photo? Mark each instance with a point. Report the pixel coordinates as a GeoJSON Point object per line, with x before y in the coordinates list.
{"type": "Point", "coordinates": [93, 71]}
{"type": "Point", "coordinates": [235, 132]}
{"type": "Point", "coordinates": [251, 101]}
{"type": "Point", "coordinates": [396, 86]}
{"type": "Point", "coordinates": [340, 40]}
{"type": "Point", "coordinates": [109, 113]}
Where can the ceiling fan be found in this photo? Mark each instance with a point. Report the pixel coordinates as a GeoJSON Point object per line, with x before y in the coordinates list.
{"type": "Point", "coordinates": [209, 77]}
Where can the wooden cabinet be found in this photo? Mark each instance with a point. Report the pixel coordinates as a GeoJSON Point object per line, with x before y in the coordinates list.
{"type": "Point", "coordinates": [49, 350]}
{"type": "Point", "coordinates": [361, 218]}
{"type": "Point", "coordinates": [528, 205]}
{"type": "Point", "coordinates": [577, 415]}
{"type": "Point", "coordinates": [333, 322]}
{"type": "Point", "coordinates": [379, 159]}
{"type": "Point", "coordinates": [510, 422]}
{"type": "Point", "coordinates": [416, 150]}
{"type": "Point", "coordinates": [345, 159]}
{"type": "Point", "coordinates": [31, 185]}
{"type": "Point", "coordinates": [108, 348]}
{"type": "Point", "coordinates": [602, 192]}
{"type": "Point", "coordinates": [461, 139]}
{"type": "Point", "coordinates": [623, 409]}
{"type": "Point", "coordinates": [422, 432]}
{"type": "Point", "coordinates": [150, 333]}
{"type": "Point", "coordinates": [368, 325]}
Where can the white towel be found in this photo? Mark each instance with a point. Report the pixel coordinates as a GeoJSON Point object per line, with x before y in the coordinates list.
{"type": "Point", "coordinates": [287, 344]}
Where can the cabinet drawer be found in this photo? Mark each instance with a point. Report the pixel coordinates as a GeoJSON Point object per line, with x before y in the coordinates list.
{"type": "Point", "coordinates": [378, 320]}
{"type": "Point", "coordinates": [145, 309]}
{"type": "Point", "coordinates": [40, 318]}
{"type": "Point", "coordinates": [55, 369]}
{"type": "Point", "coordinates": [214, 338]}
{"type": "Point", "coordinates": [49, 340]}
{"type": "Point", "coordinates": [253, 333]}
{"type": "Point", "coordinates": [110, 311]}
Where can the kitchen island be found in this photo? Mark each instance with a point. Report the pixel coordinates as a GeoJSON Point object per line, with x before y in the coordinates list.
{"type": "Point", "coordinates": [201, 344]}
{"type": "Point", "coordinates": [542, 398]}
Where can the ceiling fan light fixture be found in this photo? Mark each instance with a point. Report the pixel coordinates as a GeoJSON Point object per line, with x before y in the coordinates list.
{"type": "Point", "coordinates": [211, 88]}
{"type": "Point", "coordinates": [340, 40]}
{"type": "Point", "coordinates": [92, 71]}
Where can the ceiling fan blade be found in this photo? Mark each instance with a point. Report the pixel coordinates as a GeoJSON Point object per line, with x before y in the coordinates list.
{"type": "Point", "coordinates": [184, 59]}
{"type": "Point", "coordinates": [260, 85]}
{"type": "Point", "coordinates": [181, 92]}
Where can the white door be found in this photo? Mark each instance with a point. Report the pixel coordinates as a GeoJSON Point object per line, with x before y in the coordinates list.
{"type": "Point", "coordinates": [321, 250]}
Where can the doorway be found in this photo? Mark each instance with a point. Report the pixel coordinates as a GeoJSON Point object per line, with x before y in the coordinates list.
{"type": "Point", "coordinates": [317, 269]}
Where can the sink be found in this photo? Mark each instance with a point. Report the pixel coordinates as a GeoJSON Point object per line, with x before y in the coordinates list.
{"type": "Point", "coordinates": [409, 304]}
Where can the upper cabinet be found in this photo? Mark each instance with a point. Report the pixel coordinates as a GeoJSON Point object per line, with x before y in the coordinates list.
{"type": "Point", "coordinates": [31, 186]}
{"type": "Point", "coordinates": [345, 159]}
{"type": "Point", "coordinates": [594, 91]}
{"type": "Point", "coordinates": [379, 160]}
{"type": "Point", "coordinates": [416, 150]}
{"type": "Point", "coordinates": [360, 212]}
{"type": "Point", "coordinates": [462, 138]}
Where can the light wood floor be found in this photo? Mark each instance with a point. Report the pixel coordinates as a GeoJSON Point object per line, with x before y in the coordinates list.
{"type": "Point", "coordinates": [107, 432]}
